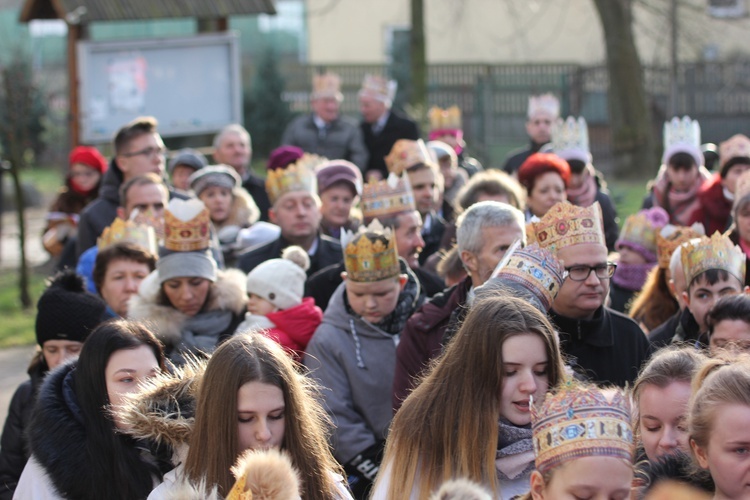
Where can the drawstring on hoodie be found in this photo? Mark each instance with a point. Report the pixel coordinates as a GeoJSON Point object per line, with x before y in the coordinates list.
{"type": "Point", "coordinates": [357, 346]}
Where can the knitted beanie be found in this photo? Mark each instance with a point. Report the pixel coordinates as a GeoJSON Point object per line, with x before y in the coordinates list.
{"type": "Point", "coordinates": [89, 156]}
{"type": "Point", "coordinates": [66, 311]}
{"type": "Point", "coordinates": [281, 281]}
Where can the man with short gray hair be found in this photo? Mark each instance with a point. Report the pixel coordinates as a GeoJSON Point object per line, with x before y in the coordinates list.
{"type": "Point", "coordinates": [485, 232]}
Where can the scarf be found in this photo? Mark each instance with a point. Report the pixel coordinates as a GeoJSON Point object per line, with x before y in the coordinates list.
{"type": "Point", "coordinates": [679, 206]}
{"type": "Point", "coordinates": [394, 322]}
{"type": "Point", "coordinates": [632, 276]}
{"type": "Point", "coordinates": [585, 195]}
{"type": "Point", "coordinates": [200, 333]}
{"type": "Point", "coordinates": [515, 451]}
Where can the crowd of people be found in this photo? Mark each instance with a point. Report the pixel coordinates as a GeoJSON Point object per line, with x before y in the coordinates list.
{"type": "Point", "coordinates": [383, 317]}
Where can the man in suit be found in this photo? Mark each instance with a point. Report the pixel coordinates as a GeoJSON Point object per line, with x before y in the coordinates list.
{"type": "Point", "coordinates": [381, 126]}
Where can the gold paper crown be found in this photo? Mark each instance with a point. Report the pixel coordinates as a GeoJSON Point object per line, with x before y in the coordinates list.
{"type": "Point", "coordinates": [737, 146]}
{"type": "Point", "coordinates": [640, 230]}
{"type": "Point", "coordinates": [186, 226]}
{"type": "Point", "coordinates": [405, 154]}
{"type": "Point", "coordinates": [670, 237]}
{"type": "Point", "coordinates": [544, 103]}
{"type": "Point", "coordinates": [445, 119]}
{"type": "Point", "coordinates": [128, 231]}
{"type": "Point", "coordinates": [566, 225]}
{"type": "Point", "coordinates": [370, 254]}
{"type": "Point", "coordinates": [716, 252]}
{"type": "Point", "coordinates": [327, 85]}
{"type": "Point", "coordinates": [381, 199]}
{"type": "Point", "coordinates": [299, 176]}
{"type": "Point", "coordinates": [535, 268]}
{"type": "Point", "coordinates": [379, 88]}
{"type": "Point", "coordinates": [581, 421]}
{"type": "Point", "coordinates": [570, 139]}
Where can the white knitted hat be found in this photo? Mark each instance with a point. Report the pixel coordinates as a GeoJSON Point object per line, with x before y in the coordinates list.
{"type": "Point", "coordinates": [281, 281]}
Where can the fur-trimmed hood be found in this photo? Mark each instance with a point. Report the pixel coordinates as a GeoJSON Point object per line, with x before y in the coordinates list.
{"type": "Point", "coordinates": [243, 212]}
{"type": "Point", "coordinates": [226, 294]}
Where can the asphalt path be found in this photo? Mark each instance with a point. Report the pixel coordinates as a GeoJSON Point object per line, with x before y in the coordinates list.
{"type": "Point", "coordinates": [13, 364]}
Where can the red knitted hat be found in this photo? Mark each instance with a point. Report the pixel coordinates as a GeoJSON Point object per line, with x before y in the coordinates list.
{"type": "Point", "coordinates": [541, 163]}
{"type": "Point", "coordinates": [88, 156]}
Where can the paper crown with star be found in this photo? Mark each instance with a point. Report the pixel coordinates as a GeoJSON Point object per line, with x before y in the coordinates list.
{"type": "Point", "coordinates": [186, 226]}
{"type": "Point", "coordinates": [570, 139]}
{"type": "Point", "coordinates": [121, 231]}
{"type": "Point", "coordinates": [533, 267]}
{"type": "Point", "coordinates": [670, 237]}
{"type": "Point", "coordinates": [716, 252]}
{"type": "Point", "coordinates": [370, 254]}
{"type": "Point", "coordinates": [566, 225]}
{"type": "Point", "coordinates": [379, 88]}
{"type": "Point", "coordinates": [682, 135]}
{"type": "Point", "coordinates": [299, 176]}
{"type": "Point", "coordinates": [445, 119]}
{"type": "Point", "coordinates": [406, 154]}
{"type": "Point", "coordinates": [386, 198]}
{"type": "Point", "coordinates": [581, 421]}
{"type": "Point", "coordinates": [544, 103]}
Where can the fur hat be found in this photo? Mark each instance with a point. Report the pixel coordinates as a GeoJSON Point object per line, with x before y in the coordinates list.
{"type": "Point", "coordinates": [281, 281]}
{"type": "Point", "coordinates": [66, 311]}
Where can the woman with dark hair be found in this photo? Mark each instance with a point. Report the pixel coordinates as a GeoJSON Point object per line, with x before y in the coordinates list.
{"type": "Point", "coordinates": [475, 423]}
{"type": "Point", "coordinates": [545, 177]}
{"type": "Point", "coordinates": [77, 449]}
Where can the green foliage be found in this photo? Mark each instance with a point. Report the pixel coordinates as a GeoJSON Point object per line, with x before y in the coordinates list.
{"type": "Point", "coordinates": [266, 114]}
{"type": "Point", "coordinates": [17, 327]}
{"type": "Point", "coordinates": [21, 111]}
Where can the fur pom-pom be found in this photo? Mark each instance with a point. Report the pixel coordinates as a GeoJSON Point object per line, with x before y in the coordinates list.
{"type": "Point", "coordinates": [68, 280]}
{"type": "Point", "coordinates": [267, 475]}
{"type": "Point", "coordinates": [297, 255]}
{"type": "Point", "coordinates": [461, 489]}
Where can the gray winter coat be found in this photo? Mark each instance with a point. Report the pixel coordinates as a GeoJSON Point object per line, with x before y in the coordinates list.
{"type": "Point", "coordinates": [343, 141]}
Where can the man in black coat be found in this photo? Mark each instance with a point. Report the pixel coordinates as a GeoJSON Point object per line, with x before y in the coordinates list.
{"type": "Point", "coordinates": [381, 126]}
{"type": "Point", "coordinates": [543, 111]}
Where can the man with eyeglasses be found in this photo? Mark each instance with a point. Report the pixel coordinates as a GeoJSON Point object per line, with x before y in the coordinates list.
{"type": "Point", "coordinates": [139, 150]}
{"type": "Point", "coordinates": [601, 344]}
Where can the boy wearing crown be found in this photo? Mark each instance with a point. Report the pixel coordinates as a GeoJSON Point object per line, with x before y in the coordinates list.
{"type": "Point", "coordinates": [602, 344]}
{"type": "Point", "coordinates": [325, 132]}
{"type": "Point", "coordinates": [381, 126]}
{"type": "Point", "coordinates": [543, 110]}
{"type": "Point", "coordinates": [353, 352]}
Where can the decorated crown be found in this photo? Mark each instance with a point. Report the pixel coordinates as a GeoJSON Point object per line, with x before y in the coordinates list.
{"type": "Point", "coordinates": [379, 88]}
{"type": "Point", "coordinates": [535, 268]}
{"type": "Point", "coordinates": [682, 136]}
{"type": "Point", "coordinates": [128, 231]}
{"type": "Point", "coordinates": [405, 154]}
{"type": "Point", "coordinates": [388, 197]}
{"type": "Point", "coordinates": [445, 119]}
{"type": "Point", "coordinates": [299, 176]}
{"type": "Point", "coordinates": [581, 421]}
{"type": "Point", "coordinates": [570, 139]}
{"type": "Point", "coordinates": [566, 225]}
{"type": "Point", "coordinates": [544, 103]}
{"type": "Point", "coordinates": [640, 230]}
{"type": "Point", "coordinates": [742, 187]}
{"type": "Point", "coordinates": [370, 254]}
{"type": "Point", "coordinates": [671, 236]}
{"type": "Point", "coordinates": [716, 252]}
{"type": "Point", "coordinates": [327, 85]}
{"type": "Point", "coordinates": [737, 146]}
{"type": "Point", "coordinates": [186, 225]}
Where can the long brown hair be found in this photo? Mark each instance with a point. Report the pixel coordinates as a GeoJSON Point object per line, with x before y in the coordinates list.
{"type": "Point", "coordinates": [448, 426]}
{"type": "Point", "coordinates": [654, 304]}
{"type": "Point", "coordinates": [214, 442]}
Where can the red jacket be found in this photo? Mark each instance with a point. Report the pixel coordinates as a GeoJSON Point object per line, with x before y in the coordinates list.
{"type": "Point", "coordinates": [715, 211]}
{"type": "Point", "coordinates": [294, 327]}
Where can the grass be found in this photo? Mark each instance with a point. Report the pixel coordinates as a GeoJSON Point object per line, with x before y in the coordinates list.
{"type": "Point", "coordinates": [627, 197]}
{"type": "Point", "coordinates": [17, 324]}
{"type": "Point", "coordinates": [46, 180]}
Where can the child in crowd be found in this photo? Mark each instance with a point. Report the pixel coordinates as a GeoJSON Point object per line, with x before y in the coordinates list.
{"type": "Point", "coordinates": [728, 324]}
{"type": "Point", "coordinates": [275, 302]}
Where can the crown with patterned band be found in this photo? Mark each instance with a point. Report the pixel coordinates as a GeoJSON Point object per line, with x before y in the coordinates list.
{"type": "Point", "coordinates": [405, 154]}
{"type": "Point", "coordinates": [186, 225]}
{"type": "Point", "coordinates": [387, 197]}
{"type": "Point", "coordinates": [545, 103]}
{"type": "Point", "coordinates": [570, 139]}
{"type": "Point", "coordinates": [379, 88]}
{"type": "Point", "coordinates": [640, 230]}
{"type": "Point", "coordinates": [299, 176]}
{"type": "Point", "coordinates": [682, 136]}
{"type": "Point", "coordinates": [737, 146]}
{"type": "Point", "coordinates": [671, 236]}
{"type": "Point", "coordinates": [445, 119]}
{"type": "Point", "coordinates": [581, 421]}
{"type": "Point", "coordinates": [533, 267]}
{"type": "Point", "coordinates": [370, 254]}
{"type": "Point", "coordinates": [327, 85]}
{"type": "Point", "coordinates": [716, 252]}
{"type": "Point", "coordinates": [121, 231]}
{"type": "Point", "coordinates": [566, 225]}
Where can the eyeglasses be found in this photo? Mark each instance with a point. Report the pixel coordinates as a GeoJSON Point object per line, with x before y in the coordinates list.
{"type": "Point", "coordinates": [581, 273]}
{"type": "Point", "coordinates": [149, 152]}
